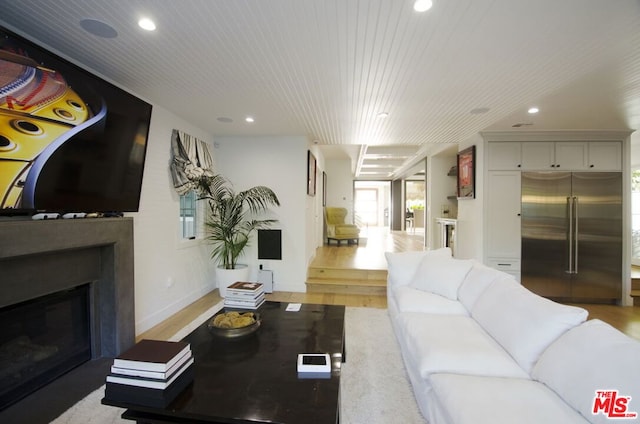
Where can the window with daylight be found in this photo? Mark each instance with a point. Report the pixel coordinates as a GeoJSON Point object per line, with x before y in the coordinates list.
{"type": "Point", "coordinates": [191, 160]}
{"type": "Point", "coordinates": [188, 215]}
{"type": "Point", "coordinates": [366, 200]}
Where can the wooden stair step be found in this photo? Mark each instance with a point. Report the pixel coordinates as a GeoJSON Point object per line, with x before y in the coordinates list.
{"type": "Point", "coordinates": [362, 287]}
{"type": "Point", "coordinates": [338, 280]}
{"type": "Point", "coordinates": [353, 282]}
{"type": "Point", "coordinates": [347, 274]}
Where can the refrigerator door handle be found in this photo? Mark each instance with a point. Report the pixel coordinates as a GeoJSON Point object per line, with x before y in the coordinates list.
{"type": "Point", "coordinates": [576, 215]}
{"type": "Point", "coordinates": [570, 234]}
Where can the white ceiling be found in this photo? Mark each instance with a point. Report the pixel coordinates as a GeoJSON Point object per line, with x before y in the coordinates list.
{"type": "Point", "coordinates": [325, 68]}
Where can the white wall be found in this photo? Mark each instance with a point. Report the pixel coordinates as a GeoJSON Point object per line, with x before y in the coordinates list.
{"type": "Point", "coordinates": [340, 185]}
{"type": "Point", "coordinates": [315, 210]}
{"type": "Point", "coordinates": [470, 211]}
{"type": "Point", "coordinates": [279, 163]}
{"type": "Point", "coordinates": [169, 273]}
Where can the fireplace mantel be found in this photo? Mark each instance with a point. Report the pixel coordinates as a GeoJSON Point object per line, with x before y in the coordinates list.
{"type": "Point", "coordinates": [42, 257]}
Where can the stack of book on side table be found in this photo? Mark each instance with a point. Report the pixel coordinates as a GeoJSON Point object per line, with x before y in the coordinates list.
{"type": "Point", "coordinates": [151, 373]}
{"type": "Point", "coordinates": [242, 295]}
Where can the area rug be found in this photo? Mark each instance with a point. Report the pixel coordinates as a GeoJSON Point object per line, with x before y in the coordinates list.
{"type": "Point", "coordinates": [375, 388]}
{"type": "Point", "coordinates": [374, 384]}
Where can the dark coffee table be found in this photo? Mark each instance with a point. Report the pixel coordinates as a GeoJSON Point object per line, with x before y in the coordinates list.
{"type": "Point", "coordinates": [255, 380]}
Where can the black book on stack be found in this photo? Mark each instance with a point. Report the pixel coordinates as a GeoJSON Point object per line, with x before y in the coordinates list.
{"type": "Point", "coordinates": [151, 373]}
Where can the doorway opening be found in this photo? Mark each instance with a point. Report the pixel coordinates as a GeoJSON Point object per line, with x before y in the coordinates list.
{"type": "Point", "coordinates": [372, 203]}
{"type": "Point", "coordinates": [414, 203]}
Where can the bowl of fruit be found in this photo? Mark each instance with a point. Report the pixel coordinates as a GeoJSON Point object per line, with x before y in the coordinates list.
{"type": "Point", "coordinates": [234, 324]}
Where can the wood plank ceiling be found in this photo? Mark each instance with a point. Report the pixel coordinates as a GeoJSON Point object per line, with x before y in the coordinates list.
{"type": "Point", "coordinates": [326, 69]}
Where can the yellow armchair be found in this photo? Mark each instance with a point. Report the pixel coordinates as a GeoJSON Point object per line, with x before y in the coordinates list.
{"type": "Point", "coordinates": [337, 229]}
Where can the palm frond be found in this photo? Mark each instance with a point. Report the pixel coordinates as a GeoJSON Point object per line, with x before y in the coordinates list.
{"type": "Point", "coordinates": [230, 222]}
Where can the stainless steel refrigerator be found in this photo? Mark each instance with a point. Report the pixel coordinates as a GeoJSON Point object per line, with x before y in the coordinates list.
{"type": "Point", "coordinates": [572, 235]}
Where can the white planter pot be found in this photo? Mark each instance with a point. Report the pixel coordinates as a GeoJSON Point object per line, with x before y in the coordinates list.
{"type": "Point", "coordinates": [226, 277]}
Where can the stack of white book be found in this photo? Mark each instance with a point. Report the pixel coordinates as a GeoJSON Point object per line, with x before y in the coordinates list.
{"type": "Point", "coordinates": [151, 373]}
{"type": "Point", "coordinates": [243, 295]}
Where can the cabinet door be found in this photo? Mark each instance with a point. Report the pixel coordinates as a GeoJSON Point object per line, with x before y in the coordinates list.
{"type": "Point", "coordinates": [538, 156]}
{"type": "Point", "coordinates": [571, 156]}
{"type": "Point", "coordinates": [503, 214]}
{"type": "Point", "coordinates": [605, 156]}
{"type": "Point", "coordinates": [504, 156]}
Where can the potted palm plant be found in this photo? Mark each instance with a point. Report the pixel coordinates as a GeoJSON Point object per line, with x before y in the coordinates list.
{"type": "Point", "coordinates": [231, 219]}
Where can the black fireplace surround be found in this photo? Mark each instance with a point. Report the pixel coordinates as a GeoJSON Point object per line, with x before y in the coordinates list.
{"type": "Point", "coordinates": [39, 258]}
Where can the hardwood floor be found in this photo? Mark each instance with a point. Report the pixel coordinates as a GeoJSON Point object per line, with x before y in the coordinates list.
{"type": "Point", "coordinates": [369, 254]}
{"type": "Point", "coordinates": [624, 318]}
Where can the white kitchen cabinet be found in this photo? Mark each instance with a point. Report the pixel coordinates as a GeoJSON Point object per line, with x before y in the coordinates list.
{"type": "Point", "coordinates": [539, 156]}
{"type": "Point", "coordinates": [552, 156]}
{"type": "Point", "coordinates": [605, 156]}
{"type": "Point", "coordinates": [509, 265]}
{"type": "Point", "coordinates": [505, 156]}
{"type": "Point", "coordinates": [503, 214]}
{"type": "Point", "coordinates": [571, 156]}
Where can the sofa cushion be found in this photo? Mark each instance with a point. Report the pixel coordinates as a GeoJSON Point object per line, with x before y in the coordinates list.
{"type": "Point", "coordinates": [346, 230]}
{"type": "Point", "coordinates": [412, 300]}
{"type": "Point", "coordinates": [524, 323]}
{"type": "Point", "coordinates": [468, 399]}
{"type": "Point", "coordinates": [455, 344]}
{"type": "Point", "coordinates": [440, 275]}
{"type": "Point", "coordinates": [401, 266]}
{"type": "Point", "coordinates": [590, 357]}
{"type": "Point", "coordinates": [477, 280]}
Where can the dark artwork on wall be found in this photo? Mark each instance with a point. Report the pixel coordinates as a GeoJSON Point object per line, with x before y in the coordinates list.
{"type": "Point", "coordinates": [270, 244]}
{"type": "Point", "coordinates": [466, 173]}
{"type": "Point", "coordinates": [311, 174]}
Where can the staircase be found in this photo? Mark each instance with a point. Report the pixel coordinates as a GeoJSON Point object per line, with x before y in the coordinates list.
{"type": "Point", "coordinates": [347, 281]}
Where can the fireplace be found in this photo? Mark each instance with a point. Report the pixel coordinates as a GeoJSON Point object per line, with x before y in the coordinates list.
{"type": "Point", "coordinates": [42, 339]}
{"type": "Point", "coordinates": [87, 262]}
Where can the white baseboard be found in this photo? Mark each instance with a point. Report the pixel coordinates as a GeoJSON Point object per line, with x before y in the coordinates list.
{"type": "Point", "coordinates": [157, 317]}
{"type": "Point", "coordinates": [280, 287]}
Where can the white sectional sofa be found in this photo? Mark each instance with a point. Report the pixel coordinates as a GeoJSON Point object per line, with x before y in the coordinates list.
{"type": "Point", "coordinates": [480, 348]}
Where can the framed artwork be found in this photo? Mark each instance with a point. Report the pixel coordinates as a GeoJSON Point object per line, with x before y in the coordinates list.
{"type": "Point", "coordinates": [324, 188]}
{"type": "Point", "coordinates": [311, 174]}
{"type": "Point", "coordinates": [467, 173]}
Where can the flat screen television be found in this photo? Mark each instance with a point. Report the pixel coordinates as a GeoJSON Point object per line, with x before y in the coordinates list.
{"type": "Point", "coordinates": [69, 141]}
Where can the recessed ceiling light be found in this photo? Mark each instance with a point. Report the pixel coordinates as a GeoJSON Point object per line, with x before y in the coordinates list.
{"type": "Point", "coordinates": [224, 119]}
{"type": "Point", "coordinates": [383, 114]}
{"type": "Point", "coordinates": [249, 119]}
{"type": "Point", "coordinates": [533, 110]}
{"type": "Point", "coordinates": [147, 24]}
{"type": "Point", "coordinates": [422, 5]}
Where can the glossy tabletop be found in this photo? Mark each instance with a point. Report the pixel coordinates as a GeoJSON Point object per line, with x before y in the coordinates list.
{"type": "Point", "coordinates": [255, 379]}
